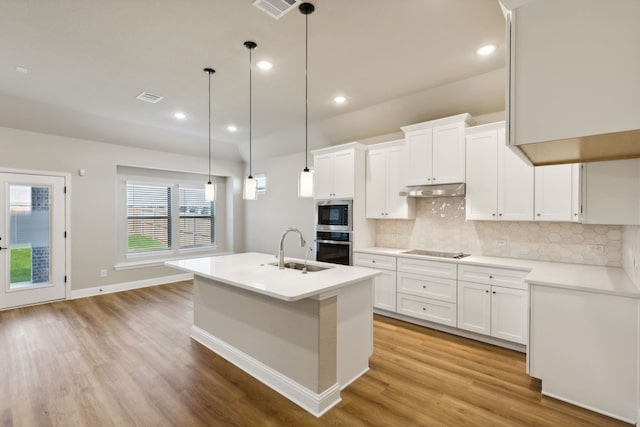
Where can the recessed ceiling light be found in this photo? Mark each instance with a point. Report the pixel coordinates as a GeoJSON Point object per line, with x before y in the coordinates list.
{"type": "Point", "coordinates": [486, 50]}
{"type": "Point", "coordinates": [180, 115]}
{"type": "Point", "coordinates": [339, 99]}
{"type": "Point", "coordinates": [232, 128]}
{"type": "Point", "coordinates": [264, 65]}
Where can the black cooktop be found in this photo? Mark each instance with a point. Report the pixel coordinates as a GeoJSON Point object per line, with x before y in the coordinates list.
{"type": "Point", "coordinates": [452, 255]}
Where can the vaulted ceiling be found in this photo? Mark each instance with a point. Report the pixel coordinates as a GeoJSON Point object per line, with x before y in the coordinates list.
{"type": "Point", "coordinates": [75, 67]}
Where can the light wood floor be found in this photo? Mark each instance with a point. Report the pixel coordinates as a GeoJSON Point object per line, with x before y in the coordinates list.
{"type": "Point", "coordinates": [127, 359]}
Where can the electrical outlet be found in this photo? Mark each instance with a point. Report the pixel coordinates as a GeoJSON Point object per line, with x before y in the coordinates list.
{"type": "Point", "coordinates": [596, 249]}
{"type": "Point", "coordinates": [103, 272]}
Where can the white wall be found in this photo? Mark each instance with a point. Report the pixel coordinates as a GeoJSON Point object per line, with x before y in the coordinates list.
{"type": "Point", "coordinates": [279, 208]}
{"type": "Point", "coordinates": [93, 233]}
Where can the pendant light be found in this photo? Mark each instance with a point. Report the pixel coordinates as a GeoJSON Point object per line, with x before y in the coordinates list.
{"type": "Point", "coordinates": [250, 183]}
{"type": "Point", "coordinates": [305, 183]}
{"type": "Point", "coordinates": [209, 189]}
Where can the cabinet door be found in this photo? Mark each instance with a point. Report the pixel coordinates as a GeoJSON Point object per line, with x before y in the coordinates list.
{"type": "Point", "coordinates": [515, 184]}
{"type": "Point", "coordinates": [323, 176]}
{"type": "Point", "coordinates": [376, 184]}
{"type": "Point", "coordinates": [398, 207]}
{"type": "Point", "coordinates": [419, 147]}
{"type": "Point", "coordinates": [384, 291]}
{"type": "Point", "coordinates": [509, 314]}
{"type": "Point", "coordinates": [474, 307]}
{"type": "Point", "coordinates": [482, 176]}
{"type": "Point", "coordinates": [344, 174]}
{"type": "Point", "coordinates": [448, 154]}
{"type": "Point", "coordinates": [553, 193]}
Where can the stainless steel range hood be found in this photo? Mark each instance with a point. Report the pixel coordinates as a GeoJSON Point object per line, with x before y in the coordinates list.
{"type": "Point", "coordinates": [441, 190]}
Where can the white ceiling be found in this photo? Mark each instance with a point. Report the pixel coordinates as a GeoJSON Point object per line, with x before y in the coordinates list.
{"type": "Point", "coordinates": [396, 61]}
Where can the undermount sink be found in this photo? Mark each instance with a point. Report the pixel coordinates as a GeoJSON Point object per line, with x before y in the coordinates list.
{"type": "Point", "coordinates": [300, 266]}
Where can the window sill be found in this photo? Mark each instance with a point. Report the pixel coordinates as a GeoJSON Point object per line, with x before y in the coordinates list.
{"type": "Point", "coordinates": [159, 262]}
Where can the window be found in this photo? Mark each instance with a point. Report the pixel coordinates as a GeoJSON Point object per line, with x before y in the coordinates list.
{"type": "Point", "coordinates": [163, 215]}
{"type": "Point", "coordinates": [148, 217]}
{"type": "Point", "coordinates": [197, 219]}
{"type": "Point", "coordinates": [261, 183]}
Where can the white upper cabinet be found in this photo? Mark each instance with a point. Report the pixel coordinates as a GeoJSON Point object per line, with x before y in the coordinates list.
{"type": "Point", "coordinates": [436, 150]}
{"type": "Point", "coordinates": [335, 170]}
{"type": "Point", "coordinates": [499, 183]}
{"type": "Point", "coordinates": [386, 167]}
{"type": "Point", "coordinates": [557, 193]}
{"type": "Point", "coordinates": [574, 71]}
{"type": "Point", "coordinates": [611, 192]}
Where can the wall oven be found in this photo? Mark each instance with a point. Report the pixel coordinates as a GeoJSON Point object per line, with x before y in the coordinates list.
{"type": "Point", "coordinates": [334, 215]}
{"type": "Point", "coordinates": [334, 247]}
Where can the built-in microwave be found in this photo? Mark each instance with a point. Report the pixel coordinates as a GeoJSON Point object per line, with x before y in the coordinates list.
{"type": "Point", "coordinates": [334, 215]}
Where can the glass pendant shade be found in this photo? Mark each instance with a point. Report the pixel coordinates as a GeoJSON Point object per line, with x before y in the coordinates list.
{"type": "Point", "coordinates": [210, 192]}
{"type": "Point", "coordinates": [305, 183]}
{"type": "Point", "coordinates": [250, 191]}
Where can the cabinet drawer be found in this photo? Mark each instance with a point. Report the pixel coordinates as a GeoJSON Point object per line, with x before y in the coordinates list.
{"type": "Point", "coordinates": [427, 309]}
{"type": "Point", "coordinates": [382, 262]}
{"type": "Point", "coordinates": [492, 276]}
{"type": "Point", "coordinates": [445, 270]}
{"type": "Point", "coordinates": [427, 286]}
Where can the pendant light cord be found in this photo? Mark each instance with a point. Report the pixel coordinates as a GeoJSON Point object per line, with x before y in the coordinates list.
{"type": "Point", "coordinates": [209, 127]}
{"type": "Point", "coordinates": [306, 93]}
{"type": "Point", "coordinates": [250, 115]}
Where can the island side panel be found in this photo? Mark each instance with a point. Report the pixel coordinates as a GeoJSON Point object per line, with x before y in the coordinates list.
{"type": "Point", "coordinates": [355, 331]}
{"type": "Point", "coordinates": [285, 336]}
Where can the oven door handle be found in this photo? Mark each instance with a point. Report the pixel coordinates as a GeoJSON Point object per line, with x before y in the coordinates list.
{"type": "Point", "coordinates": [334, 242]}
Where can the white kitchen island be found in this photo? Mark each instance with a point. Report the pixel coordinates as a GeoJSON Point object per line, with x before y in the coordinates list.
{"type": "Point", "coordinates": [307, 336]}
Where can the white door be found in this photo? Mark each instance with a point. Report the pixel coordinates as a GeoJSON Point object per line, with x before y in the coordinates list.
{"type": "Point", "coordinates": [420, 149]}
{"type": "Point", "coordinates": [448, 154]}
{"type": "Point", "coordinates": [384, 295]}
{"type": "Point", "coordinates": [482, 176]}
{"type": "Point", "coordinates": [344, 176]}
{"type": "Point", "coordinates": [32, 229]}
{"type": "Point", "coordinates": [553, 193]}
{"type": "Point", "coordinates": [509, 314]}
{"type": "Point", "coordinates": [515, 184]}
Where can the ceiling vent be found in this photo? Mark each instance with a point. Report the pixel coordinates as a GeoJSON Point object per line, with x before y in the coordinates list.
{"type": "Point", "coordinates": [275, 8]}
{"type": "Point", "coordinates": [149, 97]}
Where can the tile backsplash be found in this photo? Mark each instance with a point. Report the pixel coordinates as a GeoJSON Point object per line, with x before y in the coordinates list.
{"type": "Point", "coordinates": [440, 225]}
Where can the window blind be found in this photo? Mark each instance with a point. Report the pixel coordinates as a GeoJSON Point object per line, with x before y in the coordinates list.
{"type": "Point", "coordinates": [148, 217]}
{"type": "Point", "coordinates": [197, 218]}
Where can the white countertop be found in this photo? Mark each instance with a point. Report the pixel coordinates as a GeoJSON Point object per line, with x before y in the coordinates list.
{"type": "Point", "coordinates": [580, 277]}
{"type": "Point", "coordinates": [252, 271]}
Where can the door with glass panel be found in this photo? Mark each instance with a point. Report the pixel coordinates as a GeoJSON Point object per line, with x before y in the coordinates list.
{"type": "Point", "coordinates": [32, 230]}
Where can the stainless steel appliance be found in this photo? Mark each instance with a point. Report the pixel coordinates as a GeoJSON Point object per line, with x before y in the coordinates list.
{"type": "Point", "coordinates": [334, 246]}
{"type": "Point", "coordinates": [334, 215]}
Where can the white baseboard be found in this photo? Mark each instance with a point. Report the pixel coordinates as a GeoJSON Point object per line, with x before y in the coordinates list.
{"type": "Point", "coordinates": [315, 403]}
{"type": "Point", "coordinates": [127, 286]}
{"type": "Point", "coordinates": [582, 405]}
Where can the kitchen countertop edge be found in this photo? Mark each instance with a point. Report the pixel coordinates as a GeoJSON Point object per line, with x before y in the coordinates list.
{"type": "Point", "coordinates": [580, 277]}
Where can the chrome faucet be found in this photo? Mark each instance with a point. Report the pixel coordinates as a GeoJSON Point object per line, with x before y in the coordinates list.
{"type": "Point", "coordinates": [281, 251]}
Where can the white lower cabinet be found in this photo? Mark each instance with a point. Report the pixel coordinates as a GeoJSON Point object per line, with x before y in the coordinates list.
{"type": "Point", "coordinates": [427, 290]}
{"type": "Point", "coordinates": [497, 311]}
{"type": "Point", "coordinates": [384, 285]}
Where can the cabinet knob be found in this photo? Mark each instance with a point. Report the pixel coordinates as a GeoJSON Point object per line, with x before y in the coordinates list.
{"type": "Point", "coordinates": [493, 214]}
{"type": "Point", "coordinates": [537, 214]}
{"type": "Point", "coordinates": [490, 277]}
{"type": "Point", "coordinates": [373, 261]}
{"type": "Point", "coordinates": [424, 309]}
{"type": "Point", "coordinates": [424, 286]}
{"type": "Point", "coordinates": [486, 292]}
{"type": "Point", "coordinates": [499, 214]}
{"type": "Point", "coordinates": [494, 292]}
{"type": "Point", "coordinates": [428, 179]}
